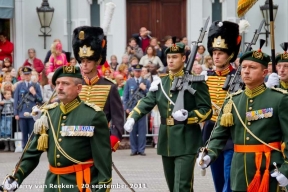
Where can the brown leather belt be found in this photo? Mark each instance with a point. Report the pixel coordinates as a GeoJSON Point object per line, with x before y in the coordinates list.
{"type": "Point", "coordinates": [171, 121]}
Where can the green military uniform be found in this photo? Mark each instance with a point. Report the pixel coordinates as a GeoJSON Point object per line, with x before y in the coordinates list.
{"type": "Point", "coordinates": [264, 112]}
{"type": "Point", "coordinates": [78, 132]}
{"type": "Point", "coordinates": [178, 142]}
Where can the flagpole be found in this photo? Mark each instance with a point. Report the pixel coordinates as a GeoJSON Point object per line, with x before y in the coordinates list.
{"type": "Point", "coordinates": [272, 36]}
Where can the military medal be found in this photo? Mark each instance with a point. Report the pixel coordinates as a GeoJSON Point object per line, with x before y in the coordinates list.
{"type": "Point", "coordinates": [84, 131]}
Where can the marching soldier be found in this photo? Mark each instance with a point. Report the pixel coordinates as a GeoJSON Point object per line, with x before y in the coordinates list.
{"type": "Point", "coordinates": [180, 133]}
{"type": "Point", "coordinates": [89, 46]}
{"type": "Point", "coordinates": [257, 122]}
{"type": "Point", "coordinates": [26, 95]}
{"type": "Point", "coordinates": [282, 68]}
{"type": "Point", "coordinates": [78, 147]}
{"type": "Point", "coordinates": [223, 45]}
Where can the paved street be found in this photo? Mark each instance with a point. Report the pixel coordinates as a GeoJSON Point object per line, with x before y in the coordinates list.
{"type": "Point", "coordinates": [145, 172]}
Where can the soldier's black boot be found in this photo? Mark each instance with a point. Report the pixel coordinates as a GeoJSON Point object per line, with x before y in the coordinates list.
{"type": "Point", "coordinates": [6, 146]}
{"type": "Point", "coordinates": [12, 146]}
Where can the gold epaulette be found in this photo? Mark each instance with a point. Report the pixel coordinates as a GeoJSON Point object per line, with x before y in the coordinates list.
{"type": "Point", "coordinates": [163, 75]}
{"type": "Point", "coordinates": [234, 94]}
{"type": "Point", "coordinates": [92, 105]}
{"type": "Point", "coordinates": [50, 106]}
{"type": "Point", "coordinates": [280, 90]}
{"type": "Point", "coordinates": [111, 80]}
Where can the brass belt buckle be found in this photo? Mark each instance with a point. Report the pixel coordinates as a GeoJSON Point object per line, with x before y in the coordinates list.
{"type": "Point", "coordinates": [169, 121]}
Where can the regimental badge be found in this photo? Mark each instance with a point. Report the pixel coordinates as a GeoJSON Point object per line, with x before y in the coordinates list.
{"type": "Point", "coordinates": [85, 51]}
{"type": "Point", "coordinates": [220, 43]}
{"type": "Point", "coordinates": [68, 69]}
{"type": "Point", "coordinates": [258, 55]}
{"type": "Point", "coordinates": [25, 69]}
{"type": "Point", "coordinates": [174, 48]}
{"type": "Point", "coordinates": [284, 56]}
{"type": "Point", "coordinates": [71, 131]}
{"type": "Point", "coordinates": [81, 35]}
{"type": "Point", "coordinates": [259, 114]}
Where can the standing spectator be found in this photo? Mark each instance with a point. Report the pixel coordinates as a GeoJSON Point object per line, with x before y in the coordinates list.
{"type": "Point", "coordinates": [6, 48]}
{"type": "Point", "coordinates": [57, 58]}
{"type": "Point", "coordinates": [14, 75]}
{"type": "Point", "coordinates": [73, 62]}
{"type": "Point", "coordinates": [113, 62]}
{"type": "Point", "coordinates": [125, 60]}
{"type": "Point", "coordinates": [269, 71]}
{"type": "Point", "coordinates": [49, 89]}
{"type": "Point", "coordinates": [167, 43]}
{"type": "Point", "coordinates": [142, 38]}
{"type": "Point", "coordinates": [145, 73]}
{"type": "Point", "coordinates": [6, 120]}
{"type": "Point", "coordinates": [34, 62]}
{"type": "Point", "coordinates": [154, 43]}
{"type": "Point", "coordinates": [7, 86]}
{"type": "Point", "coordinates": [236, 63]}
{"type": "Point", "coordinates": [49, 52]}
{"type": "Point", "coordinates": [208, 64]}
{"type": "Point", "coordinates": [123, 70]}
{"type": "Point", "coordinates": [7, 67]}
{"type": "Point", "coordinates": [197, 68]}
{"type": "Point", "coordinates": [133, 50]}
{"type": "Point", "coordinates": [24, 104]}
{"type": "Point", "coordinates": [184, 40]}
{"type": "Point", "coordinates": [120, 85]}
{"type": "Point", "coordinates": [151, 56]}
{"type": "Point", "coordinates": [19, 73]}
{"type": "Point", "coordinates": [137, 143]}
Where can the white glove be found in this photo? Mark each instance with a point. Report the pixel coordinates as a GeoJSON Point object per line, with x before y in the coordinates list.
{"type": "Point", "coordinates": [282, 180]}
{"type": "Point", "coordinates": [273, 80]}
{"type": "Point", "coordinates": [36, 113]}
{"type": "Point", "coordinates": [129, 124]}
{"type": "Point", "coordinates": [180, 115]}
{"type": "Point", "coordinates": [154, 85]}
{"type": "Point", "coordinates": [206, 160]}
{"type": "Point", "coordinates": [10, 185]}
{"type": "Point", "coordinates": [205, 74]}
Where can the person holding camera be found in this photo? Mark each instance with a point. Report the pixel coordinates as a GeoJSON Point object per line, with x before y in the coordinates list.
{"type": "Point", "coordinates": [133, 50]}
{"type": "Point", "coordinates": [26, 95]}
{"type": "Point", "coordinates": [143, 38]}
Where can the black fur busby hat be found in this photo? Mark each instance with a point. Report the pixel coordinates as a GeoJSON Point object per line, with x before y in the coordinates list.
{"type": "Point", "coordinates": [89, 42]}
{"type": "Point", "coordinates": [224, 36]}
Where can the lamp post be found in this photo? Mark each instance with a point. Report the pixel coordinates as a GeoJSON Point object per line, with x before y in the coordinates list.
{"type": "Point", "coordinates": [265, 13]}
{"type": "Point", "coordinates": [45, 14]}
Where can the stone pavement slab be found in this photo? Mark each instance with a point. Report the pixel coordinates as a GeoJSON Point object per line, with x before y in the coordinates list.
{"type": "Point", "coordinates": [145, 173]}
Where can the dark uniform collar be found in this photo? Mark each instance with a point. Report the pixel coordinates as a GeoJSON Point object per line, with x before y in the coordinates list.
{"type": "Point", "coordinates": [225, 71]}
{"type": "Point", "coordinates": [70, 106]}
{"type": "Point", "coordinates": [256, 91]}
{"type": "Point", "coordinates": [284, 84]}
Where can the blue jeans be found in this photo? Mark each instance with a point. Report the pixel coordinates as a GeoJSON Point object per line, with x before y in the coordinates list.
{"type": "Point", "coordinates": [6, 126]}
{"type": "Point", "coordinates": [221, 171]}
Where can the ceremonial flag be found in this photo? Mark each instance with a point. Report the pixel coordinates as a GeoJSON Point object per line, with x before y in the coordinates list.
{"type": "Point", "coordinates": [244, 6]}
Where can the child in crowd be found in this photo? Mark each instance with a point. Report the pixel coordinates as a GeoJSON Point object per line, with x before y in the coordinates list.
{"type": "Point", "coordinates": [57, 58]}
{"type": "Point", "coordinates": [7, 66]}
{"type": "Point", "coordinates": [13, 75]}
{"type": "Point", "coordinates": [6, 120]}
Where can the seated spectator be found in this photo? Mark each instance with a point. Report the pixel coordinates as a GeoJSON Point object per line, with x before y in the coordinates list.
{"type": "Point", "coordinates": [113, 62]}
{"type": "Point", "coordinates": [123, 70]}
{"type": "Point", "coordinates": [197, 68]}
{"type": "Point", "coordinates": [7, 67]}
{"type": "Point", "coordinates": [200, 54]}
{"type": "Point", "coordinates": [57, 58]}
{"type": "Point", "coordinates": [151, 56]}
{"type": "Point", "coordinates": [34, 62]}
{"type": "Point", "coordinates": [125, 60]}
{"type": "Point", "coordinates": [48, 90]}
{"type": "Point", "coordinates": [120, 84]}
{"type": "Point", "coordinates": [133, 50]}
{"type": "Point", "coordinates": [142, 38]}
{"type": "Point", "coordinates": [145, 72]}
{"type": "Point", "coordinates": [49, 52]}
{"type": "Point", "coordinates": [19, 72]}
{"type": "Point", "coordinates": [73, 62]}
{"type": "Point", "coordinates": [208, 64]}
{"type": "Point", "coordinates": [14, 75]}
{"type": "Point", "coordinates": [107, 73]}
{"type": "Point", "coordinates": [20, 78]}
{"type": "Point", "coordinates": [154, 43]}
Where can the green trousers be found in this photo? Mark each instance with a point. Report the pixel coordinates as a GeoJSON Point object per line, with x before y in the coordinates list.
{"type": "Point", "coordinates": [179, 172]}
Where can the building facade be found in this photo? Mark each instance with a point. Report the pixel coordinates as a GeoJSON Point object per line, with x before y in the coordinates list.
{"type": "Point", "coordinates": [186, 19]}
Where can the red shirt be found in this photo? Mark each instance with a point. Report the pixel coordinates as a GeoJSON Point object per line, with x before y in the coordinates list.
{"type": "Point", "coordinates": [145, 44]}
{"type": "Point", "coordinates": [6, 49]}
{"type": "Point", "coordinates": [37, 65]}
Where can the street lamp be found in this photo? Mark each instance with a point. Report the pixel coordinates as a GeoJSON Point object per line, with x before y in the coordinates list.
{"type": "Point", "coordinates": [45, 14]}
{"type": "Point", "coordinates": [265, 13]}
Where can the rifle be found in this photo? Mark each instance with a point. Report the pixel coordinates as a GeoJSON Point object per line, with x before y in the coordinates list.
{"type": "Point", "coordinates": [234, 82]}
{"type": "Point", "coordinates": [137, 95]}
{"type": "Point", "coordinates": [27, 97]}
{"type": "Point", "coordinates": [182, 84]}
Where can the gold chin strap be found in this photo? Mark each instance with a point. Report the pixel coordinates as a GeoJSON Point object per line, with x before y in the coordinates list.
{"type": "Point", "coordinates": [228, 60]}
